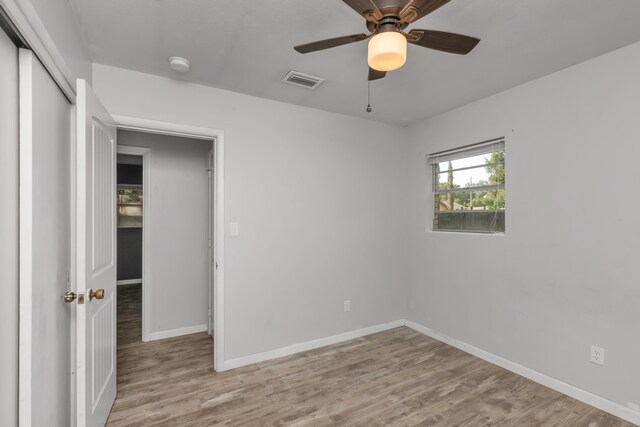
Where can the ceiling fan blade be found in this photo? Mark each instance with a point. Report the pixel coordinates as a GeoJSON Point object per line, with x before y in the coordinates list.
{"type": "Point", "coordinates": [417, 9]}
{"type": "Point", "coordinates": [329, 43]}
{"type": "Point", "coordinates": [366, 8]}
{"type": "Point", "coordinates": [375, 74]}
{"type": "Point", "coordinates": [442, 41]}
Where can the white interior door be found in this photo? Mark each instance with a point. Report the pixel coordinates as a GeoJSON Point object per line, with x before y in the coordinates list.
{"type": "Point", "coordinates": [45, 248]}
{"type": "Point", "coordinates": [96, 263]}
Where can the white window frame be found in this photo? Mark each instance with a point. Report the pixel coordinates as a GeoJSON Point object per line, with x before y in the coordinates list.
{"type": "Point", "coordinates": [485, 147]}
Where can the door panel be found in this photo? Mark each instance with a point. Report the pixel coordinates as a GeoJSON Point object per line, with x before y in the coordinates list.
{"type": "Point", "coordinates": [102, 179]}
{"type": "Point", "coordinates": [102, 363]}
{"type": "Point", "coordinates": [45, 247]}
{"type": "Point", "coordinates": [96, 319]}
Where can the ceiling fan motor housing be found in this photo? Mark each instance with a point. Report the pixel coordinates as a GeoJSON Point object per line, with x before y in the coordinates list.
{"type": "Point", "coordinates": [386, 24]}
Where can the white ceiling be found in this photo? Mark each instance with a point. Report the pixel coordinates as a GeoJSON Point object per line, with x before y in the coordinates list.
{"type": "Point", "coordinates": [247, 46]}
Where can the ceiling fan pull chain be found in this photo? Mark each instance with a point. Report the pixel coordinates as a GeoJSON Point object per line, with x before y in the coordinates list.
{"type": "Point", "coordinates": [369, 97]}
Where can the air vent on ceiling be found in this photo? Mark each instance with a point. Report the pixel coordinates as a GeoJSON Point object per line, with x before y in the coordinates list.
{"type": "Point", "coordinates": [303, 80]}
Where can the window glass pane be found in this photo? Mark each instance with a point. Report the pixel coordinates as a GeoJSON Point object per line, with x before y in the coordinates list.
{"type": "Point", "coordinates": [488, 221]}
{"type": "Point", "coordinates": [473, 161]}
{"type": "Point", "coordinates": [492, 174]}
{"type": "Point", "coordinates": [129, 208]}
{"type": "Point", "coordinates": [476, 177]}
{"type": "Point", "coordinates": [453, 202]}
{"type": "Point", "coordinates": [471, 201]}
{"type": "Point", "coordinates": [128, 196]}
{"type": "Point", "coordinates": [470, 210]}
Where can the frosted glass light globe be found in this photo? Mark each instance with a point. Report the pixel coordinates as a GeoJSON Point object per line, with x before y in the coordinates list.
{"type": "Point", "coordinates": [387, 51]}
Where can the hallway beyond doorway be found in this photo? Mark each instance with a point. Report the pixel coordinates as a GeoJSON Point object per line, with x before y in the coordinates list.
{"type": "Point", "coordinates": [129, 314]}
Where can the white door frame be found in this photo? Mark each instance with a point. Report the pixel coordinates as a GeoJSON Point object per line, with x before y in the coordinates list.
{"type": "Point", "coordinates": [145, 153]}
{"type": "Point", "coordinates": [176, 129]}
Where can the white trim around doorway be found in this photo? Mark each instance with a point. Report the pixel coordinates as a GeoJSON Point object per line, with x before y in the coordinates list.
{"type": "Point", "coordinates": [176, 129]}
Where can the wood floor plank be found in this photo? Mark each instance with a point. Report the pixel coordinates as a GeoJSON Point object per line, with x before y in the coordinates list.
{"type": "Point", "coordinates": [394, 378]}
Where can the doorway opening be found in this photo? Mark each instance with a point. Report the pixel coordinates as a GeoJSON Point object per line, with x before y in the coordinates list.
{"type": "Point", "coordinates": [211, 167]}
{"type": "Point", "coordinates": [169, 208]}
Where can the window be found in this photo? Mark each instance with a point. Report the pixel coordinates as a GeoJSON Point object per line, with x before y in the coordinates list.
{"type": "Point", "coordinates": [129, 206]}
{"type": "Point", "coordinates": [469, 188]}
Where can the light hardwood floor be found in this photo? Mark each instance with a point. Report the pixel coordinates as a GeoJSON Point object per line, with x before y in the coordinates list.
{"type": "Point", "coordinates": [394, 378]}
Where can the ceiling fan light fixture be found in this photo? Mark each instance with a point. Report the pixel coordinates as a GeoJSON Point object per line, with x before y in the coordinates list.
{"type": "Point", "coordinates": [387, 51]}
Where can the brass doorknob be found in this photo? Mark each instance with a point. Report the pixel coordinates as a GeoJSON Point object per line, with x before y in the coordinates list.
{"type": "Point", "coordinates": [98, 294]}
{"type": "Point", "coordinates": [70, 296]}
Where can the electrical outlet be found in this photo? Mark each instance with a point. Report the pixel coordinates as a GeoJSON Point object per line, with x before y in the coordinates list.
{"type": "Point", "coordinates": [347, 305]}
{"type": "Point", "coordinates": [234, 229]}
{"type": "Point", "coordinates": [597, 355]}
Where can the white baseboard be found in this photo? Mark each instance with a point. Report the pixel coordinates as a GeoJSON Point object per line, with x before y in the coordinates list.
{"type": "Point", "coordinates": [553, 383]}
{"type": "Point", "coordinates": [309, 345]}
{"type": "Point", "coordinates": [129, 282]}
{"type": "Point", "coordinates": [153, 336]}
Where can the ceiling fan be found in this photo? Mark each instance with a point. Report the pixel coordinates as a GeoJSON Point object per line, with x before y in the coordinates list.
{"type": "Point", "coordinates": [386, 20]}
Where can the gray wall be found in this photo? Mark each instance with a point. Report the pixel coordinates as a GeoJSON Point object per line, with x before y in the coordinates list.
{"type": "Point", "coordinates": [9, 232]}
{"type": "Point", "coordinates": [129, 253]}
{"type": "Point", "coordinates": [178, 229]}
{"type": "Point", "coordinates": [565, 275]}
{"type": "Point", "coordinates": [320, 199]}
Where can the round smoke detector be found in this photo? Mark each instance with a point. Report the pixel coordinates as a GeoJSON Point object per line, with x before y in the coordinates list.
{"type": "Point", "coordinates": [179, 64]}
